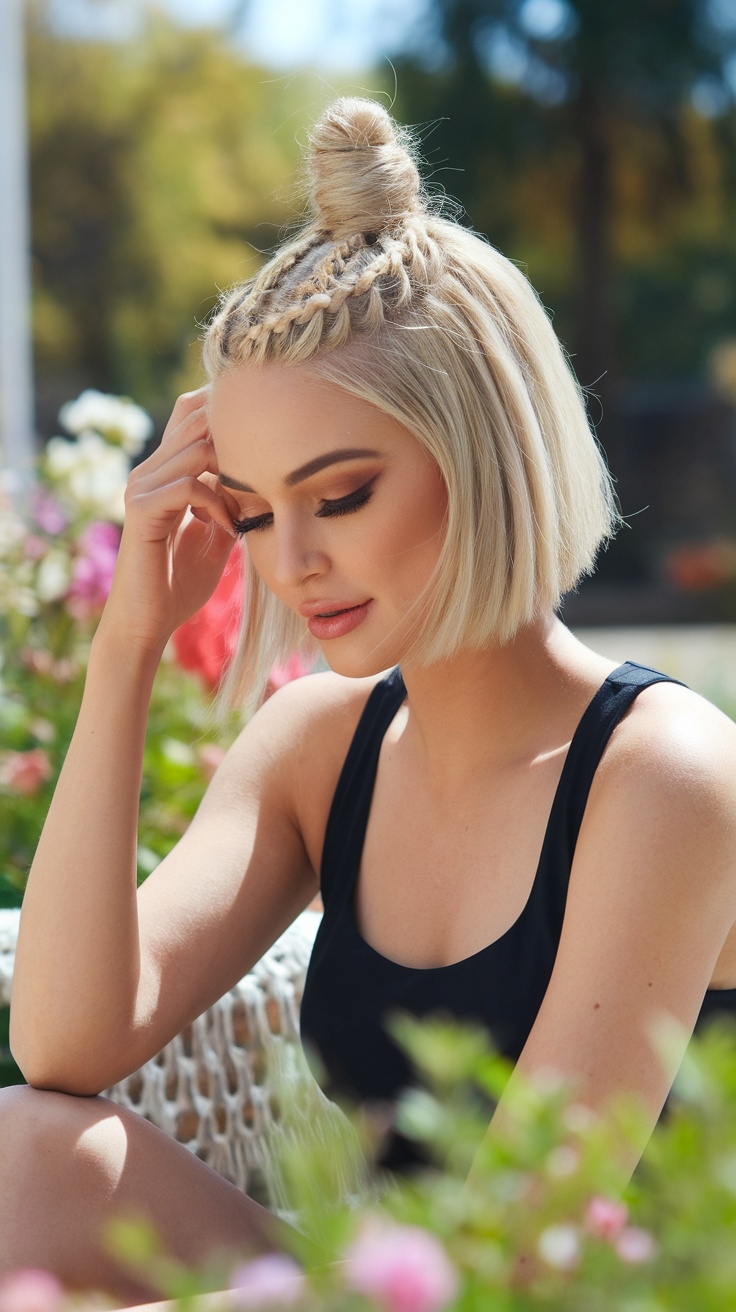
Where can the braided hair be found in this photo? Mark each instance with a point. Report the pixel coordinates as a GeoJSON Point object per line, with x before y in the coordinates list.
{"type": "Point", "coordinates": [383, 297]}
{"type": "Point", "coordinates": [364, 255]}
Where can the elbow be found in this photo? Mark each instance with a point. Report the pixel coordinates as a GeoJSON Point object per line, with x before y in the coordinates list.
{"type": "Point", "coordinates": [43, 1068]}
{"type": "Point", "coordinates": [40, 1074]}
{"type": "Point", "coordinates": [53, 1083]}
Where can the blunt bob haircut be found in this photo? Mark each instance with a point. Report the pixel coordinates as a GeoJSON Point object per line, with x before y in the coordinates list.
{"type": "Point", "coordinates": [403, 308]}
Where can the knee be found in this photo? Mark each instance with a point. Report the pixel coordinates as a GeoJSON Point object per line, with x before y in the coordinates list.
{"type": "Point", "coordinates": [40, 1128]}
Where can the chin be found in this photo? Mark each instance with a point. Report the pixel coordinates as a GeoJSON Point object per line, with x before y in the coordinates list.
{"type": "Point", "coordinates": [354, 666]}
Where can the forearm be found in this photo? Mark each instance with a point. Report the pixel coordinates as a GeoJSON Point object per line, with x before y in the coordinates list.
{"type": "Point", "coordinates": [78, 960]}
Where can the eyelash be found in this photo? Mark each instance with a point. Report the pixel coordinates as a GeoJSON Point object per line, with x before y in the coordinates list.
{"type": "Point", "coordinates": [342, 506]}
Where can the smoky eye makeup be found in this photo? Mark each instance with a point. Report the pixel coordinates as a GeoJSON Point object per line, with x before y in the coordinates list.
{"type": "Point", "coordinates": [327, 509]}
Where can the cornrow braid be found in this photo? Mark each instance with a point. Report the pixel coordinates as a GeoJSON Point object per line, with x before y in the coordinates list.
{"type": "Point", "coordinates": [330, 288]}
{"type": "Point", "coordinates": [388, 302]}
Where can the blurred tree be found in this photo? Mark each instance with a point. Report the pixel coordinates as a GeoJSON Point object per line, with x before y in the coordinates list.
{"type": "Point", "coordinates": [598, 109]}
{"type": "Point", "coordinates": [158, 169]}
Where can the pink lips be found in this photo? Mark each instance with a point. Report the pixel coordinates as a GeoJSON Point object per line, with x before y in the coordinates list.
{"type": "Point", "coordinates": [333, 620]}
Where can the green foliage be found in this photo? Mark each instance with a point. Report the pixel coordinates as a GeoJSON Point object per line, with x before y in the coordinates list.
{"type": "Point", "coordinates": [536, 1222]}
{"type": "Point", "coordinates": [542, 1172]}
{"type": "Point", "coordinates": [56, 565]}
{"type": "Point", "coordinates": [9, 1073]}
{"type": "Point", "coordinates": [161, 169]}
{"type": "Point", "coordinates": [596, 114]}
{"type": "Point", "coordinates": [39, 710]}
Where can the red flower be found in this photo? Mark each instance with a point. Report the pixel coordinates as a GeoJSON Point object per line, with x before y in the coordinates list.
{"type": "Point", "coordinates": [206, 642]}
{"type": "Point", "coordinates": [702, 566]}
{"type": "Point", "coordinates": [25, 772]}
{"type": "Point", "coordinates": [696, 569]}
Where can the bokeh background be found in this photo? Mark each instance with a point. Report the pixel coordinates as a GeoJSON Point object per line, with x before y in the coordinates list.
{"type": "Point", "coordinates": [593, 141]}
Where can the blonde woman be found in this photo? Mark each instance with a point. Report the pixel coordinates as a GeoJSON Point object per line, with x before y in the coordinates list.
{"type": "Point", "coordinates": [504, 826]}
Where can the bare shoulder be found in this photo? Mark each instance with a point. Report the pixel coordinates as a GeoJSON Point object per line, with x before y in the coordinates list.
{"type": "Point", "coordinates": [300, 737]}
{"type": "Point", "coordinates": [673, 737]}
{"type": "Point", "coordinates": [317, 713]}
{"type": "Point", "coordinates": [669, 776]}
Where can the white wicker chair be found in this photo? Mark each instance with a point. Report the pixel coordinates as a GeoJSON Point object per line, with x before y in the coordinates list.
{"type": "Point", "coordinates": [214, 1087]}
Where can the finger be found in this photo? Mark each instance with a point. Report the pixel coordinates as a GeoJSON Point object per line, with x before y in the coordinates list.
{"type": "Point", "coordinates": [186, 405]}
{"type": "Point", "coordinates": [191, 427]}
{"type": "Point", "coordinates": [212, 479]}
{"type": "Point", "coordinates": [199, 459]}
{"type": "Point", "coordinates": [159, 507]}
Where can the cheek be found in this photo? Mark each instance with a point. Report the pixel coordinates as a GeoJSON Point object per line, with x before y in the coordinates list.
{"type": "Point", "coordinates": [413, 538]}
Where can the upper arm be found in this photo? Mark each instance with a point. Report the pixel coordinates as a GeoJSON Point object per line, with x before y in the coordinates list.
{"type": "Point", "coordinates": [652, 897]}
{"type": "Point", "coordinates": [242, 871]}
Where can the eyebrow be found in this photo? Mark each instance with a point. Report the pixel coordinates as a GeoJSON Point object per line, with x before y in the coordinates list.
{"type": "Point", "coordinates": [312, 467]}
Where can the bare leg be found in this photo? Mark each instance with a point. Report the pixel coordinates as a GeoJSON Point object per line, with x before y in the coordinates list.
{"type": "Point", "coordinates": [68, 1165]}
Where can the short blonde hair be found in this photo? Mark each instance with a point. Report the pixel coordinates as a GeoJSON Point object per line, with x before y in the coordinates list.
{"type": "Point", "coordinates": [427, 321]}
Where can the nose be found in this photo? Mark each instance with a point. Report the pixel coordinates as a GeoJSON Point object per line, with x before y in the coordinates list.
{"type": "Point", "coordinates": [297, 555]}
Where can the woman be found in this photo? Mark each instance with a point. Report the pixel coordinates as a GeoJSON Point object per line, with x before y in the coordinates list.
{"type": "Point", "coordinates": [392, 423]}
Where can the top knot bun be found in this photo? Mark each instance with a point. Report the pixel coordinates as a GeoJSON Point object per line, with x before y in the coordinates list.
{"type": "Point", "coordinates": [363, 175]}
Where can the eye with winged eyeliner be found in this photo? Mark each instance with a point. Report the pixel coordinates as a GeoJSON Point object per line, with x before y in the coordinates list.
{"type": "Point", "coordinates": [328, 509]}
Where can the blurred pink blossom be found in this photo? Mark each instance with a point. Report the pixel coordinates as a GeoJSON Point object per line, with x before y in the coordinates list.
{"type": "Point", "coordinates": [47, 512]}
{"type": "Point", "coordinates": [294, 668]}
{"type": "Point", "coordinates": [271, 1281]}
{"type": "Point", "coordinates": [635, 1245]}
{"type": "Point", "coordinates": [404, 1268]}
{"type": "Point", "coordinates": [25, 772]}
{"type": "Point", "coordinates": [604, 1218]}
{"type": "Point", "coordinates": [34, 547]}
{"type": "Point", "coordinates": [30, 1290]}
{"type": "Point", "coordinates": [37, 659]}
{"type": "Point", "coordinates": [209, 756]}
{"type": "Point", "coordinates": [92, 569]}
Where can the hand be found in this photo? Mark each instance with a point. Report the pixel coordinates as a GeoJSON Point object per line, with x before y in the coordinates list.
{"type": "Point", "coordinates": [178, 531]}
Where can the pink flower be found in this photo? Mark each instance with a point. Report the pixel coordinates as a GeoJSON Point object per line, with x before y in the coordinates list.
{"type": "Point", "coordinates": [206, 642]}
{"type": "Point", "coordinates": [209, 757]}
{"type": "Point", "coordinates": [403, 1268]}
{"type": "Point", "coordinates": [604, 1218]}
{"type": "Point", "coordinates": [24, 772]}
{"type": "Point", "coordinates": [92, 569]}
{"type": "Point", "coordinates": [47, 512]}
{"type": "Point", "coordinates": [34, 547]}
{"type": "Point", "coordinates": [29, 1290]}
{"type": "Point", "coordinates": [635, 1245]}
{"type": "Point", "coordinates": [271, 1281]}
{"type": "Point", "coordinates": [295, 668]}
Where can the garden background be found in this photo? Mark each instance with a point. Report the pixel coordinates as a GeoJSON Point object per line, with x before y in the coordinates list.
{"type": "Point", "coordinates": [593, 141]}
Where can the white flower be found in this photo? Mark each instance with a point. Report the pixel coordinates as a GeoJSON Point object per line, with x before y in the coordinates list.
{"type": "Point", "coordinates": [92, 473]}
{"type": "Point", "coordinates": [563, 1160]}
{"type": "Point", "coordinates": [53, 576]}
{"type": "Point", "coordinates": [16, 597]}
{"type": "Point", "coordinates": [559, 1246]}
{"type": "Point", "coordinates": [12, 530]}
{"type": "Point", "coordinates": [119, 420]}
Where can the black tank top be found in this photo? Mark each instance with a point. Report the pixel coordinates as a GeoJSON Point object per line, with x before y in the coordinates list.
{"type": "Point", "coordinates": [350, 987]}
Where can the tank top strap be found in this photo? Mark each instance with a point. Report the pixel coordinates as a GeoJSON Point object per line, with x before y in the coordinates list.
{"type": "Point", "coordinates": [603, 713]}
{"type": "Point", "coordinates": [348, 817]}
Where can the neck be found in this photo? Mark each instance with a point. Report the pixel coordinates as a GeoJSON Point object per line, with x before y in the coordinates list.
{"type": "Point", "coordinates": [501, 706]}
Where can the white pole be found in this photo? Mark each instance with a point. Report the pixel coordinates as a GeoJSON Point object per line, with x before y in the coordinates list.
{"type": "Point", "coordinates": [16, 353]}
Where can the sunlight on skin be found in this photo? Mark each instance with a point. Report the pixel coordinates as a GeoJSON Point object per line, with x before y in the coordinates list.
{"type": "Point", "coordinates": [270, 423]}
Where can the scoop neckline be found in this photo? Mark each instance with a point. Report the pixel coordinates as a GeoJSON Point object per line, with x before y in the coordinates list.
{"type": "Point", "coordinates": [495, 943]}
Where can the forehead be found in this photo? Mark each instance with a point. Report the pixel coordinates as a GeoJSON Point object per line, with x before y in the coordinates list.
{"type": "Point", "coordinates": [267, 420]}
